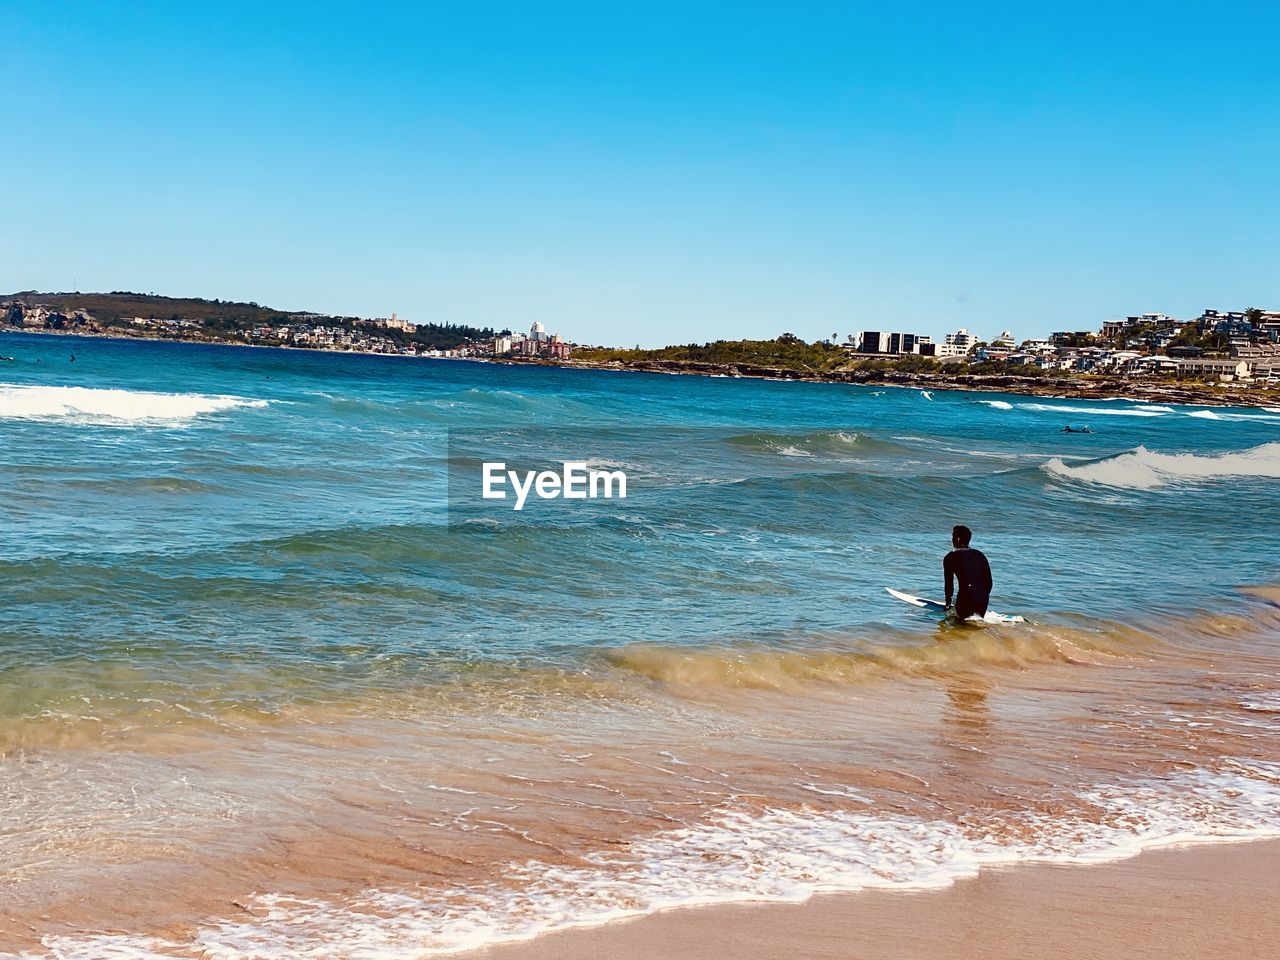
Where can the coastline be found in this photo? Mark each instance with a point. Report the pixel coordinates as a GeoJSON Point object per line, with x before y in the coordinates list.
{"type": "Point", "coordinates": [135, 338]}
{"type": "Point", "coordinates": [1074, 388]}
{"type": "Point", "coordinates": [1197, 901]}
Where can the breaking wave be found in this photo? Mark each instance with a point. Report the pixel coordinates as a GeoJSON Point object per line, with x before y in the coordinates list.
{"type": "Point", "coordinates": [824, 444]}
{"type": "Point", "coordinates": [1144, 411]}
{"type": "Point", "coordinates": [18, 402]}
{"type": "Point", "coordinates": [963, 649]}
{"type": "Point", "coordinates": [1143, 469]}
{"type": "Point", "coordinates": [738, 854]}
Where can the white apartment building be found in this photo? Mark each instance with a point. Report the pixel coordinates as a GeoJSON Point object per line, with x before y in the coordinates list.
{"type": "Point", "coordinates": [1223, 369]}
{"type": "Point", "coordinates": [1006, 340]}
{"type": "Point", "coordinates": [957, 344]}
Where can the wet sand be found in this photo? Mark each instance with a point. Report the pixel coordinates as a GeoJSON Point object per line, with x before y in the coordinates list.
{"type": "Point", "coordinates": [1199, 901]}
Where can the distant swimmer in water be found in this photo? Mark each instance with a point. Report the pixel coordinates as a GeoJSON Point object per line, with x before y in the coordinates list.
{"type": "Point", "coordinates": [970, 568]}
{"type": "Point", "coordinates": [1071, 429]}
{"type": "Point", "coordinates": [73, 358]}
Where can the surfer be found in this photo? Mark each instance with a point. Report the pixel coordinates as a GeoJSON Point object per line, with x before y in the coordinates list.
{"type": "Point", "coordinates": [970, 568]}
{"type": "Point", "coordinates": [1071, 429]}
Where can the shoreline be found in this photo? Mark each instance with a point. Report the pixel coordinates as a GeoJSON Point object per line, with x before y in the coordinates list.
{"type": "Point", "coordinates": [128, 338]}
{"type": "Point", "coordinates": [1065, 388]}
{"type": "Point", "coordinates": [1201, 900]}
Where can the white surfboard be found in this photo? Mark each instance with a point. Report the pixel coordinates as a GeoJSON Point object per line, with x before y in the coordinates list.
{"type": "Point", "coordinates": [917, 601]}
{"type": "Point", "coordinates": [938, 607]}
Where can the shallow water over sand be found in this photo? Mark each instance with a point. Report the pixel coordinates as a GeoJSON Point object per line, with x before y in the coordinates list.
{"type": "Point", "coordinates": [266, 691]}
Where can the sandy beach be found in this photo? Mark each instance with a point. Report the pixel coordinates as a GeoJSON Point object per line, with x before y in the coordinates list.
{"type": "Point", "coordinates": [1200, 901]}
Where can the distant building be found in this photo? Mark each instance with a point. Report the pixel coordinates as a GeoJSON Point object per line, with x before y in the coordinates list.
{"type": "Point", "coordinates": [1230, 322]}
{"type": "Point", "coordinates": [538, 343]}
{"type": "Point", "coordinates": [1064, 338]}
{"type": "Point", "coordinates": [957, 344]}
{"type": "Point", "coordinates": [1269, 326]}
{"type": "Point", "coordinates": [875, 341]}
{"type": "Point", "coordinates": [1222, 369]}
{"type": "Point", "coordinates": [909, 343]}
{"type": "Point", "coordinates": [1263, 358]}
{"type": "Point", "coordinates": [558, 348]}
{"type": "Point", "coordinates": [1005, 340]}
{"type": "Point", "coordinates": [1153, 364]}
{"type": "Point", "coordinates": [395, 323]}
{"type": "Point", "coordinates": [1157, 320]}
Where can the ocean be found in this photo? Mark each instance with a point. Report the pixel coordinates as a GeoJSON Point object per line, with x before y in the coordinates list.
{"type": "Point", "coordinates": [277, 682]}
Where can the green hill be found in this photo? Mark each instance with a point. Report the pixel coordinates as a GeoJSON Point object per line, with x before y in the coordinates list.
{"type": "Point", "coordinates": [787, 352]}
{"type": "Point", "coordinates": [226, 319]}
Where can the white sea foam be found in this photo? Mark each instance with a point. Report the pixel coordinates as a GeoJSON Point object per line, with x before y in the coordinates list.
{"type": "Point", "coordinates": [1144, 469]}
{"type": "Point", "coordinates": [1144, 411]}
{"type": "Point", "coordinates": [1267, 415]}
{"type": "Point", "coordinates": [89, 404]}
{"type": "Point", "coordinates": [998, 404]}
{"type": "Point", "coordinates": [770, 855]}
{"type": "Point", "coordinates": [1262, 703]}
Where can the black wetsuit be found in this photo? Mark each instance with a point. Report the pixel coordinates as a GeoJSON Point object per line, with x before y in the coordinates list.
{"type": "Point", "coordinates": [970, 567]}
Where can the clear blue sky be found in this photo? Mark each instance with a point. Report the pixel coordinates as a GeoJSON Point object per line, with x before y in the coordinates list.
{"type": "Point", "coordinates": [650, 172]}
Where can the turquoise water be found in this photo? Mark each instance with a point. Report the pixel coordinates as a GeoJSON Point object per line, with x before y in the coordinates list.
{"type": "Point", "coordinates": [245, 587]}
{"type": "Point", "coordinates": [319, 519]}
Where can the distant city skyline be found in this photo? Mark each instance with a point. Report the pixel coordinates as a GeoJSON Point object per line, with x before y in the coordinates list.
{"type": "Point", "coordinates": [649, 175]}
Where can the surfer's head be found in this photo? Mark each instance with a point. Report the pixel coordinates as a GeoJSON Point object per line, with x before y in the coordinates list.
{"type": "Point", "coordinates": [960, 536]}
